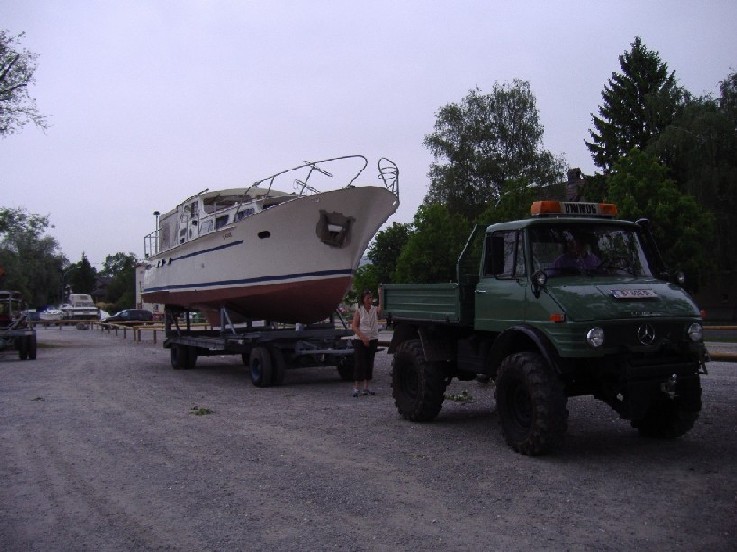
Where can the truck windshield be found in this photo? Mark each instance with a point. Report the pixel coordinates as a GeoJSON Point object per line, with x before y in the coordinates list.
{"type": "Point", "coordinates": [591, 249]}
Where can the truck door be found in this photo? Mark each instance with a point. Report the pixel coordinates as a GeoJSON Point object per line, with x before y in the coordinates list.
{"type": "Point", "coordinates": [502, 288]}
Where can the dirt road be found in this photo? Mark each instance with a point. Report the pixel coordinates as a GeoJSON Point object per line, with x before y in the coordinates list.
{"type": "Point", "coordinates": [101, 448]}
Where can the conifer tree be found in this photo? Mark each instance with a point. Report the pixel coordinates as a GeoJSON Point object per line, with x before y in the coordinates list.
{"type": "Point", "coordinates": [638, 104]}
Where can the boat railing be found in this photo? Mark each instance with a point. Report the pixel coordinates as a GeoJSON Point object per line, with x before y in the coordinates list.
{"type": "Point", "coordinates": [388, 174]}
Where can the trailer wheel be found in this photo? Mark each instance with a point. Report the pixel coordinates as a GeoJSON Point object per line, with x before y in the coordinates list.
{"type": "Point", "coordinates": [22, 346]}
{"type": "Point", "coordinates": [261, 368]}
{"type": "Point", "coordinates": [345, 367]}
{"type": "Point", "coordinates": [279, 366]}
{"type": "Point", "coordinates": [183, 357]}
{"type": "Point", "coordinates": [531, 402]}
{"type": "Point", "coordinates": [32, 347]}
{"type": "Point", "coordinates": [668, 418]}
{"type": "Point", "coordinates": [418, 386]}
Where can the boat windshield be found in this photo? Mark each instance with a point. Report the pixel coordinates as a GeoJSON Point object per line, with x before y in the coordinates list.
{"type": "Point", "coordinates": [590, 249]}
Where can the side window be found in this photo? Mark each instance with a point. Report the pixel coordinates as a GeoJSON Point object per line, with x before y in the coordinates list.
{"type": "Point", "coordinates": [504, 255]}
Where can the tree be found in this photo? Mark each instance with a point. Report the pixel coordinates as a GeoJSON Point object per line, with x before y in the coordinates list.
{"type": "Point", "coordinates": [485, 142]}
{"type": "Point", "coordinates": [431, 252]}
{"type": "Point", "coordinates": [700, 149]}
{"type": "Point", "coordinates": [366, 277]}
{"type": "Point", "coordinates": [639, 103]}
{"type": "Point", "coordinates": [386, 248]}
{"type": "Point", "coordinates": [120, 272]}
{"type": "Point", "coordinates": [17, 68]}
{"type": "Point", "coordinates": [29, 258]}
{"type": "Point", "coordinates": [80, 277]}
{"type": "Point", "coordinates": [640, 187]}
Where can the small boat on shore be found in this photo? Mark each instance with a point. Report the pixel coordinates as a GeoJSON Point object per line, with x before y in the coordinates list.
{"type": "Point", "coordinates": [268, 254]}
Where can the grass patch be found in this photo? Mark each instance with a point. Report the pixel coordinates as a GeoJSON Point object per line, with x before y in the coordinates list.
{"type": "Point", "coordinates": [462, 397]}
{"type": "Point", "coordinates": [200, 411]}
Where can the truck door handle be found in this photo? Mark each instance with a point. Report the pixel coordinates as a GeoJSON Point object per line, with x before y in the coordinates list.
{"type": "Point", "coordinates": [480, 291]}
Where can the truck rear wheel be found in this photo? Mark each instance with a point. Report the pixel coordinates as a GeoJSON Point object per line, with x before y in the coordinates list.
{"type": "Point", "coordinates": [531, 402]}
{"type": "Point", "coordinates": [668, 418]}
{"type": "Point", "coordinates": [261, 367]}
{"type": "Point", "coordinates": [418, 386]}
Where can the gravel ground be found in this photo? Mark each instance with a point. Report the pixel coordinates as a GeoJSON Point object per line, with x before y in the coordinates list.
{"type": "Point", "coordinates": [101, 449]}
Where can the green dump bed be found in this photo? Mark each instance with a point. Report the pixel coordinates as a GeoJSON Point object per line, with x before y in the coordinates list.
{"type": "Point", "coordinates": [427, 302]}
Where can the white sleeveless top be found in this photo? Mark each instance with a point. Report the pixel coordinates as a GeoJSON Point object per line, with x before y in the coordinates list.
{"type": "Point", "coordinates": [369, 322]}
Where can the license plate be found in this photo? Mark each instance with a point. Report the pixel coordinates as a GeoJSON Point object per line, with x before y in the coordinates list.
{"type": "Point", "coordinates": [634, 294]}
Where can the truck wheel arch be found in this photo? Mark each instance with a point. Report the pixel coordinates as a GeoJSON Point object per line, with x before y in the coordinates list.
{"type": "Point", "coordinates": [522, 338]}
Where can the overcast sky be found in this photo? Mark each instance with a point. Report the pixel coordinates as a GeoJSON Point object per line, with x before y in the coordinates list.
{"type": "Point", "coordinates": [152, 101]}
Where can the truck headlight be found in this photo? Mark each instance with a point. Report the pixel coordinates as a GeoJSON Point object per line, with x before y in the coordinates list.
{"type": "Point", "coordinates": [696, 332]}
{"type": "Point", "coordinates": [595, 337]}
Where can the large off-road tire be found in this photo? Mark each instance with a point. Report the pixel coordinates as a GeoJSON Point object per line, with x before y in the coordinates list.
{"type": "Point", "coordinates": [531, 403]}
{"type": "Point", "coordinates": [418, 386]}
{"type": "Point", "coordinates": [669, 418]}
{"type": "Point", "coordinates": [261, 367]}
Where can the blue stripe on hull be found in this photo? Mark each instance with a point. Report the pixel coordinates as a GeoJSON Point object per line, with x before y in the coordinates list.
{"type": "Point", "coordinates": [247, 281]}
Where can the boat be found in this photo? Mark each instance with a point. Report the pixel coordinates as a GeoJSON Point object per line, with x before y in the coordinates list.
{"type": "Point", "coordinates": [263, 253]}
{"type": "Point", "coordinates": [80, 306]}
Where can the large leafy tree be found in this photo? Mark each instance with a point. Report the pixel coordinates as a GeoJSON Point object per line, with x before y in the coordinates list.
{"type": "Point", "coordinates": [700, 149]}
{"type": "Point", "coordinates": [431, 252]}
{"type": "Point", "coordinates": [640, 186]}
{"type": "Point", "coordinates": [483, 143]}
{"type": "Point", "coordinates": [17, 68]}
{"type": "Point", "coordinates": [29, 259]}
{"type": "Point", "coordinates": [119, 271]}
{"type": "Point", "coordinates": [386, 248]}
{"type": "Point", "coordinates": [638, 104]}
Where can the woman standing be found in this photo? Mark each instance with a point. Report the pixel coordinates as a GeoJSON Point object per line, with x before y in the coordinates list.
{"type": "Point", "coordinates": [366, 327]}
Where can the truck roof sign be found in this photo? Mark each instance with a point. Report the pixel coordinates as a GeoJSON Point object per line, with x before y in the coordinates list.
{"type": "Point", "coordinates": [568, 208]}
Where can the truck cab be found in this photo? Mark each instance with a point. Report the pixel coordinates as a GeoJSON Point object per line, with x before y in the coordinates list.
{"type": "Point", "coordinates": [572, 297]}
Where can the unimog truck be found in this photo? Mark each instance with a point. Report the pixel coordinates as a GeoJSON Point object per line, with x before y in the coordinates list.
{"type": "Point", "coordinates": [571, 301]}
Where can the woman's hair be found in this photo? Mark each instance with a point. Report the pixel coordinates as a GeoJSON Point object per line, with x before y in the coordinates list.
{"type": "Point", "coordinates": [364, 293]}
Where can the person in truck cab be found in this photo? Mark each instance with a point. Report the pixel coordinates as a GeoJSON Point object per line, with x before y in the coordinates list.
{"type": "Point", "coordinates": [577, 256]}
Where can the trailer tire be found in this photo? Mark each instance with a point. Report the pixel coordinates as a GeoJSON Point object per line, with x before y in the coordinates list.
{"type": "Point", "coordinates": [22, 346]}
{"type": "Point", "coordinates": [531, 403]}
{"type": "Point", "coordinates": [183, 357]}
{"type": "Point", "coordinates": [418, 386]}
{"type": "Point", "coordinates": [279, 366]}
{"type": "Point", "coordinates": [671, 418]}
{"type": "Point", "coordinates": [346, 367]}
{"type": "Point", "coordinates": [32, 347]}
{"type": "Point", "coordinates": [261, 367]}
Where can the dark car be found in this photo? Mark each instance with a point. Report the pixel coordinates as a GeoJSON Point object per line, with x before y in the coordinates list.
{"type": "Point", "coordinates": [131, 315]}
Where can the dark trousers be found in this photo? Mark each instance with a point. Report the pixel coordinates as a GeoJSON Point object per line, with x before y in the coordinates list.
{"type": "Point", "coordinates": [363, 359]}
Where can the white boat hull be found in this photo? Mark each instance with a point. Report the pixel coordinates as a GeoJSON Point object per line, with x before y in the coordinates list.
{"type": "Point", "coordinates": [277, 264]}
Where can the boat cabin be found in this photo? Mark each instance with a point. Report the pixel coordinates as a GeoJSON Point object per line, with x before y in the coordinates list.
{"type": "Point", "coordinates": [209, 212]}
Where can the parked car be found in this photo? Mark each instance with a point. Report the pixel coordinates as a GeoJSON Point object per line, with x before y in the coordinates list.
{"type": "Point", "coordinates": [131, 315]}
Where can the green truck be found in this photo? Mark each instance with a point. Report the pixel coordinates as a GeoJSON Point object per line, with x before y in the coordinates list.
{"type": "Point", "coordinates": [571, 301]}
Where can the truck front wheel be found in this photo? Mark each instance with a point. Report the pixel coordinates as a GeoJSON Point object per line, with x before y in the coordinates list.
{"type": "Point", "coordinates": [531, 402]}
{"type": "Point", "coordinates": [418, 386]}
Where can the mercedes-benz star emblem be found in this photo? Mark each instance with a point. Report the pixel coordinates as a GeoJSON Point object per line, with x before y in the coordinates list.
{"type": "Point", "coordinates": [646, 334]}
